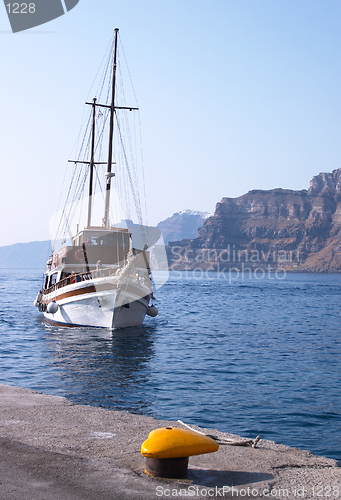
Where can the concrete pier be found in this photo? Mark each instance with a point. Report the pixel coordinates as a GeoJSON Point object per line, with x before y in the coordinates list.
{"type": "Point", "coordinates": [53, 449]}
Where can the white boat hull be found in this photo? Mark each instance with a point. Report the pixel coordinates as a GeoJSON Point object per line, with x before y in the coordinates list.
{"type": "Point", "coordinates": [99, 304]}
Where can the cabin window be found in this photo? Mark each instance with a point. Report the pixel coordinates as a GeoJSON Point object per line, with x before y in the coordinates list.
{"type": "Point", "coordinates": [93, 240]}
{"type": "Point", "coordinates": [123, 241]}
{"type": "Point", "coordinates": [63, 260]}
{"type": "Point", "coordinates": [53, 279]}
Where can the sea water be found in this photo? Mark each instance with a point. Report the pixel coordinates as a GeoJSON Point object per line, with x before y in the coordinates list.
{"type": "Point", "coordinates": [252, 355]}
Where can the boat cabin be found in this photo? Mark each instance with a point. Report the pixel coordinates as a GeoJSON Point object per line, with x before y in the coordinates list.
{"type": "Point", "coordinates": [94, 253]}
{"type": "Point", "coordinates": [95, 244]}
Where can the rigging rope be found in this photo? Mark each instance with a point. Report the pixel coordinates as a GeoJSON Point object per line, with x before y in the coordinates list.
{"type": "Point", "coordinates": [135, 196]}
{"type": "Point", "coordinates": [123, 150]}
{"type": "Point", "coordinates": [140, 128]}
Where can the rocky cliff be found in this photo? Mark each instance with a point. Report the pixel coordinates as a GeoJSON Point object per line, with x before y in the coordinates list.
{"type": "Point", "coordinates": [291, 230]}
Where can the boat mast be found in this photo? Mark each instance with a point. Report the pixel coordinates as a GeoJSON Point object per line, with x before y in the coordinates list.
{"type": "Point", "coordinates": [109, 162]}
{"type": "Point", "coordinates": [92, 160]}
{"type": "Point", "coordinates": [109, 174]}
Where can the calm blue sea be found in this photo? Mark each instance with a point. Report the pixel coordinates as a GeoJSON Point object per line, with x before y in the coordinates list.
{"type": "Point", "coordinates": [248, 356]}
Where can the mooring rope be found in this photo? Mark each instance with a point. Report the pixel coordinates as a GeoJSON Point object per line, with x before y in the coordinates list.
{"type": "Point", "coordinates": [231, 442]}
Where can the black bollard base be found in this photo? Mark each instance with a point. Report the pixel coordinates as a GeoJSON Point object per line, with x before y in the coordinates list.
{"type": "Point", "coordinates": [173, 468]}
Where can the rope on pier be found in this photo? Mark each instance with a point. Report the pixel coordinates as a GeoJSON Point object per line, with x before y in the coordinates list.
{"type": "Point", "coordinates": [231, 442]}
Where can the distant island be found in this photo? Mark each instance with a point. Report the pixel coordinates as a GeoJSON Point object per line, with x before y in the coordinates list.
{"type": "Point", "coordinates": [32, 255]}
{"type": "Point", "coordinates": [182, 225]}
{"type": "Point", "coordinates": [275, 229]}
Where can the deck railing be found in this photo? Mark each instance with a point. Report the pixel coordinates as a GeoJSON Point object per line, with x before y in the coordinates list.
{"type": "Point", "coordinates": [78, 277]}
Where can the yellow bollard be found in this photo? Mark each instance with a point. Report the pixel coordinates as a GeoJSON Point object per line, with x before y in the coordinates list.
{"type": "Point", "coordinates": [167, 450]}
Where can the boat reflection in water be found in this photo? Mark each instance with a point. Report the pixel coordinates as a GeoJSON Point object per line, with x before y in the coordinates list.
{"type": "Point", "coordinates": [104, 371]}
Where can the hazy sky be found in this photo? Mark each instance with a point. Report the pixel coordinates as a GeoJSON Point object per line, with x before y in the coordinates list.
{"type": "Point", "coordinates": [234, 95]}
